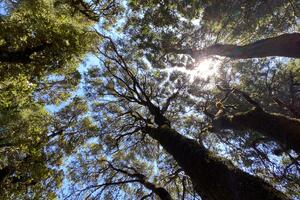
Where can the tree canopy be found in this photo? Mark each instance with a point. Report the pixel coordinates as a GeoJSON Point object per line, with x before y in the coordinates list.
{"type": "Point", "coordinates": [149, 99]}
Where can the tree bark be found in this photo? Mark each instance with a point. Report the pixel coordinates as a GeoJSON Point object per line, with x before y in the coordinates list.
{"type": "Point", "coordinates": [283, 129]}
{"type": "Point", "coordinates": [285, 45]}
{"type": "Point", "coordinates": [213, 178]}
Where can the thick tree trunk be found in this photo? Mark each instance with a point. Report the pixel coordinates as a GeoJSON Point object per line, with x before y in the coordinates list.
{"type": "Point", "coordinates": [213, 178]}
{"type": "Point", "coordinates": [286, 45]}
{"type": "Point", "coordinates": [281, 128]}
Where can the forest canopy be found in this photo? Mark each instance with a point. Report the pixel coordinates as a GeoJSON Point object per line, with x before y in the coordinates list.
{"type": "Point", "coordinates": [155, 99]}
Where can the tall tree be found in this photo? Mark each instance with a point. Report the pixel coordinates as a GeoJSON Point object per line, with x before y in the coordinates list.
{"type": "Point", "coordinates": [286, 45]}
{"type": "Point", "coordinates": [133, 100]}
{"type": "Point", "coordinates": [281, 125]}
{"type": "Point", "coordinates": [212, 28]}
{"type": "Point", "coordinates": [42, 44]}
{"type": "Point", "coordinates": [144, 110]}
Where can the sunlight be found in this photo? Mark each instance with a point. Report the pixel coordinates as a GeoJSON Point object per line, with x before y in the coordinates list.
{"type": "Point", "coordinates": [206, 67]}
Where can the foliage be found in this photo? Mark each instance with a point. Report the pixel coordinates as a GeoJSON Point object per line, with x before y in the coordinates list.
{"type": "Point", "coordinates": [95, 146]}
{"type": "Point", "coordinates": [42, 44]}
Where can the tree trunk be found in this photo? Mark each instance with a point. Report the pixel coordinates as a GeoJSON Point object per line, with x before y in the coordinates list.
{"type": "Point", "coordinates": [213, 178]}
{"type": "Point", "coordinates": [286, 45]}
{"type": "Point", "coordinates": [283, 129]}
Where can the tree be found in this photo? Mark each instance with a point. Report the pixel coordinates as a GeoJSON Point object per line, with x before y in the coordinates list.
{"type": "Point", "coordinates": [273, 122]}
{"type": "Point", "coordinates": [232, 23]}
{"type": "Point", "coordinates": [132, 108]}
{"type": "Point", "coordinates": [132, 102]}
{"type": "Point", "coordinates": [286, 45]}
{"type": "Point", "coordinates": [277, 126]}
{"type": "Point", "coordinates": [213, 28]}
{"type": "Point", "coordinates": [42, 43]}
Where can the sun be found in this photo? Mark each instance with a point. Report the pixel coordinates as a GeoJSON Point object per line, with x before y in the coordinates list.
{"type": "Point", "coordinates": [206, 67]}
